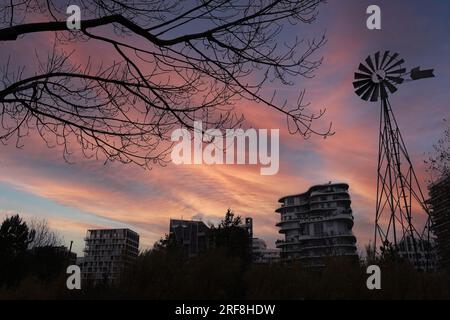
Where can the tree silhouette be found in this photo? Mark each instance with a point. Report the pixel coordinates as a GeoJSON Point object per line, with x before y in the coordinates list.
{"type": "Point", "coordinates": [230, 220]}
{"type": "Point", "coordinates": [14, 240]}
{"type": "Point", "coordinates": [43, 235]}
{"type": "Point", "coordinates": [14, 237]}
{"type": "Point", "coordinates": [231, 236]}
{"type": "Point", "coordinates": [439, 160]}
{"type": "Point", "coordinates": [166, 243]}
{"type": "Point", "coordinates": [159, 65]}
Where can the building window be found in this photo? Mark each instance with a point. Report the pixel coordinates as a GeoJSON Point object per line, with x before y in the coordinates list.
{"type": "Point", "coordinates": [318, 229]}
{"type": "Point", "coordinates": [304, 230]}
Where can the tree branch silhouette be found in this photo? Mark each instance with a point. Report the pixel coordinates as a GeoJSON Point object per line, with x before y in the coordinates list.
{"type": "Point", "coordinates": [156, 75]}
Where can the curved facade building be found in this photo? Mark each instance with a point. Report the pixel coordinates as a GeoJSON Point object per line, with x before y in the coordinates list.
{"type": "Point", "coordinates": [317, 224]}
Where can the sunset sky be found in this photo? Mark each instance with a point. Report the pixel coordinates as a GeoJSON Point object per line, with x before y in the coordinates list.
{"type": "Point", "coordinates": [36, 181]}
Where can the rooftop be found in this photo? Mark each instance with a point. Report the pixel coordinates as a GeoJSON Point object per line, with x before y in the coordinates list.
{"type": "Point", "coordinates": [314, 187]}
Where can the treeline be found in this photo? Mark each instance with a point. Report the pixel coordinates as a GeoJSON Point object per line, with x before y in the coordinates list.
{"type": "Point", "coordinates": [225, 272]}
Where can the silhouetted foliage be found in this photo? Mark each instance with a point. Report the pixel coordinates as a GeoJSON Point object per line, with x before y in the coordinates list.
{"type": "Point", "coordinates": [14, 236]}
{"type": "Point", "coordinates": [46, 263]}
{"type": "Point", "coordinates": [216, 275]}
{"type": "Point", "coordinates": [439, 160]}
{"type": "Point", "coordinates": [14, 240]}
{"type": "Point", "coordinates": [230, 220]}
{"type": "Point", "coordinates": [232, 237]}
{"type": "Point", "coordinates": [386, 255]}
{"type": "Point", "coordinates": [165, 273]}
{"type": "Point", "coordinates": [22, 259]}
{"type": "Point", "coordinates": [167, 243]}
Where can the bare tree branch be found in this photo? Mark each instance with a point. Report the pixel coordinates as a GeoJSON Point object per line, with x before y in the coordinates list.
{"type": "Point", "coordinates": [43, 235]}
{"type": "Point", "coordinates": [169, 63]}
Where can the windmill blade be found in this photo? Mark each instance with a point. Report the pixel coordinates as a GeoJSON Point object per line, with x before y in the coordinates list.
{"type": "Point", "coordinates": [370, 64]}
{"type": "Point", "coordinates": [397, 80]}
{"type": "Point", "coordinates": [375, 93]}
{"type": "Point", "coordinates": [368, 93]}
{"type": "Point", "coordinates": [377, 60]}
{"type": "Point", "coordinates": [359, 83]}
{"type": "Point", "coordinates": [390, 86]}
{"type": "Point", "coordinates": [385, 55]}
{"type": "Point", "coordinates": [398, 71]}
{"type": "Point", "coordinates": [361, 90]}
{"type": "Point", "coordinates": [383, 91]}
{"type": "Point", "coordinates": [399, 62]}
{"type": "Point", "coordinates": [362, 76]}
{"type": "Point", "coordinates": [364, 69]}
{"type": "Point", "coordinates": [379, 75]}
{"type": "Point", "coordinates": [392, 58]}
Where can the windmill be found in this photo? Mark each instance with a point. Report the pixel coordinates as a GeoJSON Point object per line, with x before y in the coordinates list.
{"type": "Point", "coordinates": [397, 183]}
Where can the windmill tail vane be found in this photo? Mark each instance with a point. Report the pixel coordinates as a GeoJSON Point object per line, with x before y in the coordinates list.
{"type": "Point", "coordinates": [416, 73]}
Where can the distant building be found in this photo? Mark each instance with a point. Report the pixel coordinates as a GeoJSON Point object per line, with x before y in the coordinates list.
{"type": "Point", "coordinates": [71, 256]}
{"type": "Point", "coordinates": [249, 227]}
{"type": "Point", "coordinates": [107, 253]}
{"type": "Point", "coordinates": [440, 216]}
{"type": "Point", "coordinates": [270, 256]}
{"type": "Point", "coordinates": [317, 224]}
{"type": "Point", "coordinates": [196, 237]}
{"type": "Point", "coordinates": [55, 251]}
{"type": "Point", "coordinates": [261, 254]}
{"type": "Point", "coordinates": [193, 236]}
{"type": "Point", "coordinates": [425, 259]}
{"type": "Point", "coordinates": [79, 261]}
{"type": "Point", "coordinates": [258, 249]}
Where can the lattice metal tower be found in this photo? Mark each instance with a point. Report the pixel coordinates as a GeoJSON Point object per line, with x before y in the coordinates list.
{"type": "Point", "coordinates": [397, 183]}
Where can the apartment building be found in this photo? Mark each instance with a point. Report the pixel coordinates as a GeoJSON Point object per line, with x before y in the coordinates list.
{"type": "Point", "coordinates": [107, 253]}
{"type": "Point", "coordinates": [317, 224]}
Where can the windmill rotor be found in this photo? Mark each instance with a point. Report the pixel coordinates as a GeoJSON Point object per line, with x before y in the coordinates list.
{"type": "Point", "coordinates": [378, 76]}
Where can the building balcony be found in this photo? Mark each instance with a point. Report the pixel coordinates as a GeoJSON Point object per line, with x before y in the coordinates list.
{"type": "Point", "coordinates": [297, 240]}
{"type": "Point", "coordinates": [326, 193]}
{"type": "Point", "coordinates": [318, 200]}
{"type": "Point", "coordinates": [324, 208]}
{"type": "Point", "coordinates": [303, 248]}
{"type": "Point", "coordinates": [285, 206]}
{"type": "Point", "coordinates": [343, 215]}
{"type": "Point", "coordinates": [280, 243]}
{"type": "Point", "coordinates": [322, 256]}
{"type": "Point", "coordinates": [295, 224]}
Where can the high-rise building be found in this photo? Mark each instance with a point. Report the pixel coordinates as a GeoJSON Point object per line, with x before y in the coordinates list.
{"type": "Point", "coordinates": [107, 253]}
{"type": "Point", "coordinates": [192, 235]}
{"type": "Point", "coordinates": [440, 216]}
{"type": "Point", "coordinates": [317, 224]}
